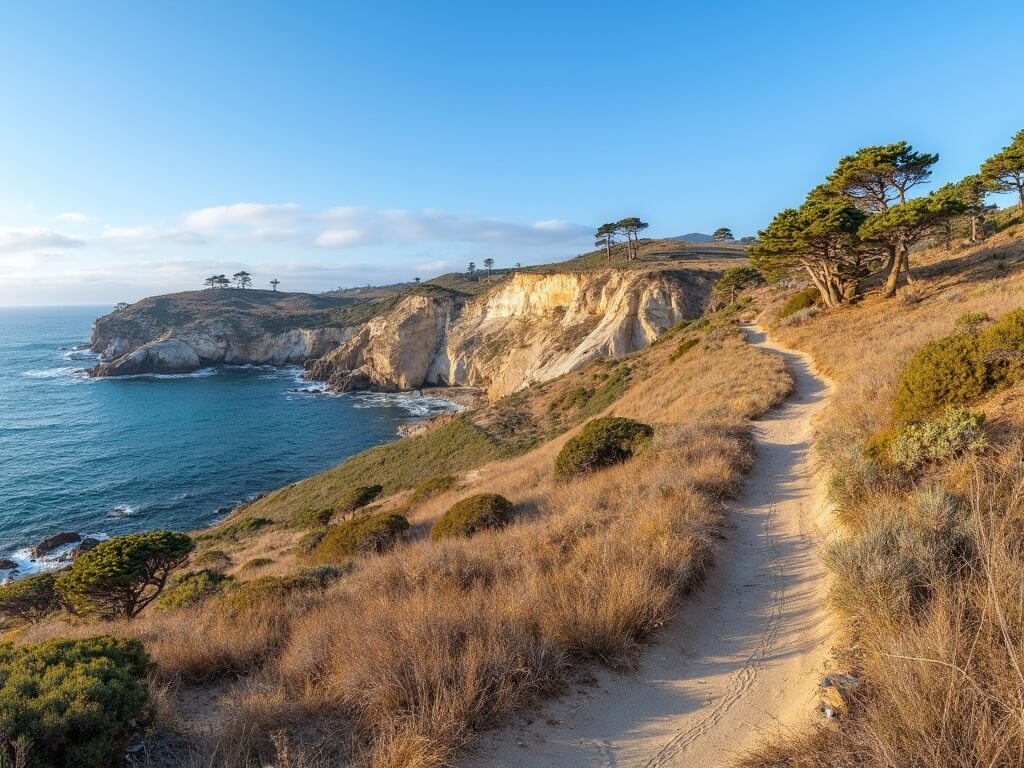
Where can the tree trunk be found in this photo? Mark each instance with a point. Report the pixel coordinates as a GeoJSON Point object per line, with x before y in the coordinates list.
{"type": "Point", "coordinates": [906, 266]}
{"type": "Point", "coordinates": [893, 265]}
{"type": "Point", "coordinates": [1020, 191]}
{"type": "Point", "coordinates": [974, 228]}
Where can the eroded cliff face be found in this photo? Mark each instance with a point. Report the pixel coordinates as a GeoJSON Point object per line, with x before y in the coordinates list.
{"type": "Point", "coordinates": [530, 328]}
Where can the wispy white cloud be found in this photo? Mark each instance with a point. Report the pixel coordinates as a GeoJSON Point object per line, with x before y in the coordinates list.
{"type": "Point", "coordinates": [28, 239]}
{"type": "Point", "coordinates": [258, 216]}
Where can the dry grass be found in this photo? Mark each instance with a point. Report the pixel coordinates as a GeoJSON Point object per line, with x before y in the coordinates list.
{"type": "Point", "coordinates": [444, 640]}
{"type": "Point", "coordinates": [927, 578]}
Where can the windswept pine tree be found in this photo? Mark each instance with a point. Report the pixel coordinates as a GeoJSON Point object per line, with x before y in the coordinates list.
{"type": "Point", "coordinates": [1004, 171]}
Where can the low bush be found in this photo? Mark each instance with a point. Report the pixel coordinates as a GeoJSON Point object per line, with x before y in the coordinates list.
{"type": "Point", "coordinates": [430, 488]}
{"type": "Point", "coordinates": [611, 389]}
{"type": "Point", "coordinates": [472, 514]}
{"type": "Point", "coordinates": [805, 299]}
{"type": "Point", "coordinates": [601, 443]}
{"type": "Point", "coordinates": [239, 529]}
{"type": "Point", "coordinates": [684, 346]}
{"type": "Point", "coordinates": [575, 397]}
{"type": "Point", "coordinates": [971, 322]}
{"type": "Point", "coordinates": [955, 433]}
{"type": "Point", "coordinates": [216, 559]}
{"type": "Point", "coordinates": [947, 371]}
{"type": "Point", "coordinates": [71, 700]}
{"type": "Point", "coordinates": [192, 588]}
{"type": "Point", "coordinates": [800, 317]}
{"type": "Point", "coordinates": [880, 574]}
{"type": "Point", "coordinates": [270, 589]}
{"type": "Point", "coordinates": [960, 369]}
{"type": "Point", "coordinates": [365, 535]}
{"type": "Point", "coordinates": [31, 599]}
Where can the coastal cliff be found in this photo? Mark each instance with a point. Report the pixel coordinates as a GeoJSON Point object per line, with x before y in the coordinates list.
{"type": "Point", "coordinates": [183, 332]}
{"type": "Point", "coordinates": [499, 334]}
{"type": "Point", "coordinates": [531, 327]}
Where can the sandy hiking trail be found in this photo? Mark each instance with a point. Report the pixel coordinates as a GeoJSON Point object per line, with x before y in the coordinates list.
{"type": "Point", "coordinates": [743, 656]}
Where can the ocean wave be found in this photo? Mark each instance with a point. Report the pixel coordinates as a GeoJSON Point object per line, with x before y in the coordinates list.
{"type": "Point", "coordinates": [123, 510]}
{"type": "Point", "coordinates": [51, 373]}
{"type": "Point", "coordinates": [250, 367]}
{"type": "Point", "coordinates": [201, 373]}
{"type": "Point", "coordinates": [81, 355]}
{"type": "Point", "coordinates": [54, 561]}
{"type": "Point", "coordinates": [416, 404]}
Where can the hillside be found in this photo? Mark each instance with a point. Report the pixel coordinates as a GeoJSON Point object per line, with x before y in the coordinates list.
{"type": "Point", "coordinates": [282, 628]}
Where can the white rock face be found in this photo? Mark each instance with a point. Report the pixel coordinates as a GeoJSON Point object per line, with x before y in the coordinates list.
{"type": "Point", "coordinates": [530, 328]}
{"type": "Point", "coordinates": [167, 356]}
{"type": "Point", "coordinates": [214, 343]}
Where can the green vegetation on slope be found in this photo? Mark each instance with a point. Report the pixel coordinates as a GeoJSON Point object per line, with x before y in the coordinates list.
{"type": "Point", "coordinates": [451, 448]}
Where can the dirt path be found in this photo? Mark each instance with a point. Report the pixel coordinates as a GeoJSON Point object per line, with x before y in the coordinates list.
{"type": "Point", "coordinates": [744, 654]}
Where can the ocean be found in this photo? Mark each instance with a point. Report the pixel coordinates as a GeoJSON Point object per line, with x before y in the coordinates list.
{"type": "Point", "coordinates": [109, 456]}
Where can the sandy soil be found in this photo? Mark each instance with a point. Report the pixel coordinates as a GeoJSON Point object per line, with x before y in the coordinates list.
{"type": "Point", "coordinates": [743, 656]}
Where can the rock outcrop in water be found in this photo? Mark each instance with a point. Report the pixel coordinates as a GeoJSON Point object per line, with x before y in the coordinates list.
{"type": "Point", "coordinates": [183, 332]}
{"type": "Point", "coordinates": [531, 327]}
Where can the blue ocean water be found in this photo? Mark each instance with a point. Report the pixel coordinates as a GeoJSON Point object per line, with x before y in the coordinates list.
{"type": "Point", "coordinates": [110, 456]}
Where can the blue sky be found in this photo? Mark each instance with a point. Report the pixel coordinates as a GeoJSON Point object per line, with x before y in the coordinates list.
{"type": "Point", "coordinates": [145, 145]}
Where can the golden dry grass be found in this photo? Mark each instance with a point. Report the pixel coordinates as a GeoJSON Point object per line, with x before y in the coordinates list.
{"type": "Point", "coordinates": [927, 576]}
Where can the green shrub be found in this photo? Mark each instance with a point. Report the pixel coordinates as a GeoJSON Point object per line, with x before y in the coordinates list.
{"type": "Point", "coordinates": [576, 397]}
{"type": "Point", "coordinates": [30, 599]}
{"type": "Point", "coordinates": [961, 369]}
{"type": "Point", "coordinates": [311, 540]}
{"type": "Point", "coordinates": [971, 322]}
{"type": "Point", "coordinates": [684, 346]}
{"type": "Point", "coordinates": [805, 299]}
{"type": "Point", "coordinates": [249, 594]}
{"type": "Point", "coordinates": [601, 443]}
{"type": "Point", "coordinates": [918, 444]}
{"type": "Point", "coordinates": [72, 700]}
{"type": "Point", "coordinates": [359, 497]}
{"type": "Point", "coordinates": [944, 372]}
{"type": "Point", "coordinates": [430, 488]}
{"type": "Point", "coordinates": [216, 559]}
{"type": "Point", "coordinates": [121, 576]}
{"type": "Point", "coordinates": [472, 514]}
{"type": "Point", "coordinates": [239, 529]}
{"type": "Point", "coordinates": [611, 389]}
{"type": "Point", "coordinates": [192, 588]}
{"type": "Point", "coordinates": [374, 533]}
